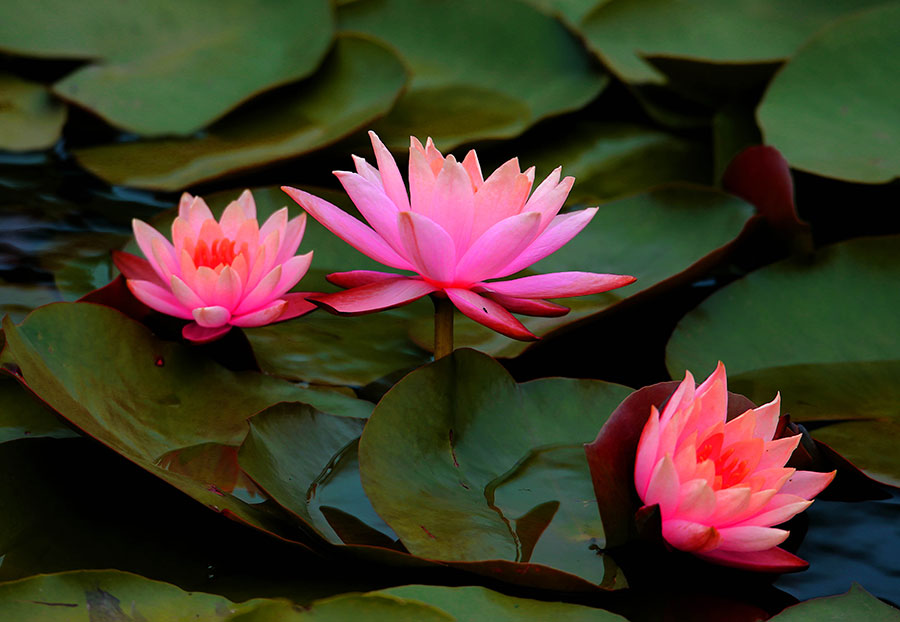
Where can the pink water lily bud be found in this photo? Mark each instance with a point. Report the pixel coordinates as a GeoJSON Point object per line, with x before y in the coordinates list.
{"type": "Point", "coordinates": [219, 274]}
{"type": "Point", "coordinates": [455, 230]}
{"type": "Point", "coordinates": [721, 486]}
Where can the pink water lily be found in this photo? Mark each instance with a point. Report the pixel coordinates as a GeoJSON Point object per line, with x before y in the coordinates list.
{"type": "Point", "coordinates": [455, 230]}
{"type": "Point", "coordinates": [721, 486]}
{"type": "Point", "coordinates": [231, 272]}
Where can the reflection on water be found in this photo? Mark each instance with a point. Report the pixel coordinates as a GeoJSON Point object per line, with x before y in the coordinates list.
{"type": "Point", "coordinates": [850, 542]}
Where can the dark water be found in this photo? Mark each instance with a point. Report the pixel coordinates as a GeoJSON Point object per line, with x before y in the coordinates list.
{"type": "Point", "coordinates": [53, 216]}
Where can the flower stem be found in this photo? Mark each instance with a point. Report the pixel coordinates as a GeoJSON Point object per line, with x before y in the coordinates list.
{"type": "Point", "coordinates": [443, 326]}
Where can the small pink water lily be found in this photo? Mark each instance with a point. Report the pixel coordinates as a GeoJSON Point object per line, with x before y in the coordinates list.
{"type": "Point", "coordinates": [220, 274]}
{"type": "Point", "coordinates": [455, 230]}
{"type": "Point", "coordinates": [721, 486]}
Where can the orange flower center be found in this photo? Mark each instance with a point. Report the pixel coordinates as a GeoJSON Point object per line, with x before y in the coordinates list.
{"type": "Point", "coordinates": [731, 468]}
{"type": "Point", "coordinates": [220, 253]}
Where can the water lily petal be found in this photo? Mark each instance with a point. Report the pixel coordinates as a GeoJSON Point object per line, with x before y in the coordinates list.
{"type": "Point", "coordinates": [375, 206]}
{"type": "Point", "coordinates": [751, 538]}
{"type": "Point", "coordinates": [772, 560]}
{"type": "Point", "coordinates": [355, 278]}
{"type": "Point", "coordinates": [690, 536]}
{"type": "Point", "coordinates": [497, 247]}
{"type": "Point", "coordinates": [489, 313]}
{"type": "Point", "coordinates": [264, 315]}
{"type": "Point", "coordinates": [158, 298]}
{"type": "Point", "coordinates": [502, 195]}
{"type": "Point", "coordinates": [367, 171]}
{"type": "Point", "coordinates": [212, 316]}
{"type": "Point", "coordinates": [262, 294]}
{"type": "Point", "coordinates": [145, 235]}
{"type": "Point", "coordinates": [136, 268]}
{"type": "Point", "coordinates": [560, 230]}
{"type": "Point", "coordinates": [807, 484]}
{"type": "Point", "coordinates": [376, 296]}
{"type": "Point", "coordinates": [201, 334]}
{"type": "Point", "coordinates": [390, 174]}
{"type": "Point", "coordinates": [453, 203]}
{"type": "Point", "coordinates": [559, 284]}
{"type": "Point", "coordinates": [525, 306]}
{"type": "Point", "coordinates": [548, 201]}
{"type": "Point", "coordinates": [296, 305]}
{"type": "Point", "coordinates": [292, 271]}
{"type": "Point", "coordinates": [663, 487]}
{"type": "Point", "coordinates": [428, 246]}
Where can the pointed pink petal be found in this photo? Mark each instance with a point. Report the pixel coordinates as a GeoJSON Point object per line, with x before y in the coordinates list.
{"type": "Point", "coordinates": [730, 502]}
{"type": "Point", "coordinates": [390, 174]}
{"type": "Point", "coordinates": [428, 246]}
{"type": "Point", "coordinates": [198, 213]}
{"type": "Point", "coordinates": [767, 419]}
{"type": "Point", "coordinates": [204, 285]}
{"type": "Point", "coordinates": [664, 487]}
{"type": "Point", "coordinates": [293, 235]}
{"type": "Point", "coordinates": [498, 246]}
{"type": "Point", "coordinates": [136, 268]}
{"type": "Point", "coordinates": [421, 180]}
{"type": "Point", "coordinates": [501, 196]}
{"type": "Point", "coordinates": [559, 284]}
{"type": "Point", "coordinates": [525, 306]}
{"type": "Point", "coordinates": [185, 295]}
{"type": "Point", "coordinates": [807, 484]}
{"type": "Point", "coordinates": [182, 235]}
{"type": "Point", "coordinates": [297, 305]}
{"type": "Point", "coordinates": [751, 538]}
{"type": "Point", "coordinates": [356, 278]}
{"type": "Point", "coordinates": [349, 229]}
{"type": "Point", "coordinates": [549, 201]}
{"type": "Point", "coordinates": [489, 313]}
{"type": "Point", "coordinates": [771, 560]}
{"type": "Point", "coordinates": [645, 459]}
{"type": "Point", "coordinates": [434, 156]}
{"type": "Point", "coordinates": [212, 316]}
{"type": "Point", "coordinates": [367, 171]}
{"type": "Point", "coordinates": [689, 536]}
{"type": "Point", "coordinates": [247, 204]}
{"type": "Point", "coordinates": [697, 501]}
{"type": "Point", "coordinates": [375, 206]}
{"type": "Point", "coordinates": [713, 400]}
{"type": "Point", "coordinates": [375, 296]}
{"type": "Point", "coordinates": [184, 205]}
{"type": "Point", "coordinates": [259, 317]}
{"type": "Point", "coordinates": [200, 334]}
{"type": "Point", "coordinates": [145, 235]}
{"type": "Point", "coordinates": [778, 452]}
{"type": "Point", "coordinates": [228, 288]}
{"type": "Point", "coordinates": [292, 271]}
{"type": "Point", "coordinates": [453, 203]}
{"type": "Point", "coordinates": [262, 294]}
{"type": "Point", "coordinates": [276, 222]}
{"type": "Point", "coordinates": [473, 168]}
{"type": "Point", "coordinates": [560, 230]}
{"type": "Point", "coordinates": [158, 298]}
{"type": "Point", "coordinates": [232, 218]}
{"type": "Point", "coordinates": [780, 509]}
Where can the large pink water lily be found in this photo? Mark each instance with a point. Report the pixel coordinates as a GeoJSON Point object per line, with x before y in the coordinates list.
{"type": "Point", "coordinates": [455, 230]}
{"type": "Point", "coordinates": [231, 272]}
{"type": "Point", "coordinates": [722, 486]}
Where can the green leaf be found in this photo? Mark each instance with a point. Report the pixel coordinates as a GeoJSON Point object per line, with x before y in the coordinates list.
{"type": "Point", "coordinates": [832, 109]}
{"type": "Point", "coordinates": [824, 332]}
{"type": "Point", "coordinates": [113, 596]}
{"type": "Point", "coordinates": [24, 416]}
{"type": "Point", "coordinates": [30, 118]}
{"type": "Point", "coordinates": [358, 82]}
{"type": "Point", "coordinates": [146, 398]}
{"type": "Point", "coordinates": [480, 69]}
{"type": "Point", "coordinates": [475, 604]}
{"type": "Point", "coordinates": [626, 32]}
{"type": "Point", "coordinates": [171, 67]}
{"type": "Point", "coordinates": [450, 448]}
{"type": "Point", "coordinates": [857, 604]}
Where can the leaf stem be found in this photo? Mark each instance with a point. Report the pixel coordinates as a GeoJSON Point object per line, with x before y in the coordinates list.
{"type": "Point", "coordinates": [443, 326]}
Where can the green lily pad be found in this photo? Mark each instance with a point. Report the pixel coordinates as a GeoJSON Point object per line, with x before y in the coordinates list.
{"type": "Point", "coordinates": [146, 398]}
{"type": "Point", "coordinates": [173, 67]}
{"type": "Point", "coordinates": [570, 11]}
{"type": "Point", "coordinates": [610, 160]}
{"type": "Point", "coordinates": [626, 32]}
{"type": "Point", "coordinates": [30, 118]}
{"type": "Point", "coordinates": [466, 466]}
{"type": "Point", "coordinates": [24, 416]}
{"type": "Point", "coordinates": [832, 109]}
{"type": "Point", "coordinates": [857, 604]}
{"type": "Point", "coordinates": [124, 597]}
{"type": "Point", "coordinates": [359, 81]}
{"type": "Point", "coordinates": [823, 331]}
{"type": "Point", "coordinates": [476, 73]}
{"type": "Point", "coordinates": [475, 604]}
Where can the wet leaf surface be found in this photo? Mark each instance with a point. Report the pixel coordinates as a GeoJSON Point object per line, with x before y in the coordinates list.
{"type": "Point", "coordinates": [30, 118]}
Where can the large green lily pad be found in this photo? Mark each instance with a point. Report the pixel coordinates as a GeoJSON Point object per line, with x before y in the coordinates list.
{"type": "Point", "coordinates": [30, 118]}
{"type": "Point", "coordinates": [823, 331]}
{"type": "Point", "coordinates": [832, 109]}
{"type": "Point", "coordinates": [24, 416]}
{"type": "Point", "coordinates": [358, 82]}
{"type": "Point", "coordinates": [121, 596]}
{"type": "Point", "coordinates": [170, 67]}
{"type": "Point", "coordinates": [466, 466]}
{"type": "Point", "coordinates": [483, 70]}
{"type": "Point", "coordinates": [857, 604]}
{"type": "Point", "coordinates": [146, 398]}
{"type": "Point", "coordinates": [625, 32]}
{"type": "Point", "coordinates": [475, 604]}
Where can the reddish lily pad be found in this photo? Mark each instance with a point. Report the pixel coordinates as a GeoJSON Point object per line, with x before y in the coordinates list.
{"type": "Point", "coordinates": [832, 109]}
{"type": "Point", "coordinates": [455, 95]}
{"type": "Point", "coordinates": [452, 484]}
{"type": "Point", "coordinates": [171, 67]}
{"type": "Point", "coordinates": [797, 327]}
{"type": "Point", "coordinates": [358, 82]}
